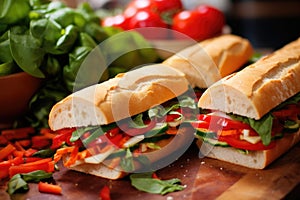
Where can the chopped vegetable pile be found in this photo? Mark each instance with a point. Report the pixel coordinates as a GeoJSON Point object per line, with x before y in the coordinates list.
{"type": "Point", "coordinates": [25, 156]}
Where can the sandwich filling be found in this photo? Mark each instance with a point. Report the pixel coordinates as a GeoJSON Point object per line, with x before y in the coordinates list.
{"type": "Point", "coordinates": [122, 143]}
{"type": "Point", "coordinates": [230, 130]}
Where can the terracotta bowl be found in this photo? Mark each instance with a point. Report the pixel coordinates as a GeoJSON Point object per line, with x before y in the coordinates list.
{"type": "Point", "coordinates": [16, 92]}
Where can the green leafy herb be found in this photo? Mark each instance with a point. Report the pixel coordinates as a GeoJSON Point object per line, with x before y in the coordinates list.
{"type": "Point", "coordinates": [127, 161]}
{"type": "Point", "coordinates": [144, 182]}
{"type": "Point", "coordinates": [98, 131]}
{"type": "Point", "coordinates": [187, 102]}
{"type": "Point", "coordinates": [36, 176]}
{"type": "Point", "coordinates": [49, 40]}
{"type": "Point", "coordinates": [19, 182]}
{"type": "Point", "coordinates": [16, 183]}
{"type": "Point", "coordinates": [263, 126]}
{"type": "Point", "coordinates": [79, 132]}
{"type": "Point", "coordinates": [137, 122]}
{"type": "Point", "coordinates": [44, 153]}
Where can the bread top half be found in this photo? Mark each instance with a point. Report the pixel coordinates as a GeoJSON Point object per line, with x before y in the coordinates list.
{"type": "Point", "coordinates": [259, 87]}
{"type": "Point", "coordinates": [118, 98]}
{"type": "Point", "coordinates": [208, 61]}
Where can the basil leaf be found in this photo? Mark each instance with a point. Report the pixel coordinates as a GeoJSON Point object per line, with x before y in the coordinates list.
{"type": "Point", "coordinates": [144, 182]}
{"type": "Point", "coordinates": [127, 162]}
{"type": "Point", "coordinates": [137, 122]}
{"type": "Point", "coordinates": [16, 183]}
{"type": "Point", "coordinates": [98, 132]}
{"type": "Point", "coordinates": [19, 181]}
{"type": "Point", "coordinates": [12, 11]}
{"type": "Point", "coordinates": [263, 126]}
{"type": "Point", "coordinates": [5, 56]}
{"type": "Point", "coordinates": [27, 53]}
{"type": "Point", "coordinates": [187, 102]}
{"type": "Point", "coordinates": [79, 132]}
{"type": "Point", "coordinates": [44, 153]}
{"type": "Point", "coordinates": [36, 176]}
{"type": "Point", "coordinates": [8, 68]}
{"type": "Point", "coordinates": [160, 111]}
{"type": "Point", "coordinates": [67, 40]}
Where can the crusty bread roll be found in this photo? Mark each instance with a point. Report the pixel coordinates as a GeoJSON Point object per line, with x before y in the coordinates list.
{"type": "Point", "coordinates": [258, 88]}
{"type": "Point", "coordinates": [121, 97]}
{"type": "Point", "coordinates": [253, 92]}
{"type": "Point", "coordinates": [125, 95]}
{"type": "Point", "coordinates": [207, 62]}
{"type": "Point", "coordinates": [253, 159]}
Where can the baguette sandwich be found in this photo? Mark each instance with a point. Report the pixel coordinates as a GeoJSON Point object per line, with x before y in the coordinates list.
{"type": "Point", "coordinates": [208, 61]}
{"type": "Point", "coordinates": [133, 122]}
{"type": "Point", "coordinates": [251, 118]}
{"type": "Point", "coordinates": [130, 123]}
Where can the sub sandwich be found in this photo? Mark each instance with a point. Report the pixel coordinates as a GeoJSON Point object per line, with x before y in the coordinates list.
{"type": "Point", "coordinates": [126, 124]}
{"type": "Point", "coordinates": [250, 118]}
{"type": "Point", "coordinates": [135, 121]}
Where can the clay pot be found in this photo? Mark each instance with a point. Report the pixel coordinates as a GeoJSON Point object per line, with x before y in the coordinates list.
{"type": "Point", "coordinates": [16, 91]}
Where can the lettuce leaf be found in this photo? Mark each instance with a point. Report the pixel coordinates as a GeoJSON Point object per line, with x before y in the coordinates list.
{"type": "Point", "coordinates": [144, 182]}
{"type": "Point", "coordinates": [263, 126]}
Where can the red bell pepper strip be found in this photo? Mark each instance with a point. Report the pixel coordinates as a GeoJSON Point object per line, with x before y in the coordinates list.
{"type": "Point", "coordinates": [29, 152]}
{"type": "Point", "coordinates": [64, 136]}
{"type": "Point", "coordinates": [45, 164]}
{"type": "Point", "coordinates": [236, 142]}
{"type": "Point", "coordinates": [105, 193]}
{"type": "Point", "coordinates": [6, 151]}
{"type": "Point", "coordinates": [4, 167]}
{"type": "Point", "coordinates": [219, 123]}
{"type": "Point", "coordinates": [40, 142]}
{"type": "Point", "coordinates": [20, 133]}
{"type": "Point", "coordinates": [172, 117]}
{"type": "Point", "coordinates": [49, 188]}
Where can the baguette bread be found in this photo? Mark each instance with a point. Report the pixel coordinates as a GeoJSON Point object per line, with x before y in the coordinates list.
{"type": "Point", "coordinates": [258, 88]}
{"type": "Point", "coordinates": [253, 92]}
{"type": "Point", "coordinates": [125, 95]}
{"type": "Point", "coordinates": [207, 62]}
{"type": "Point", "coordinates": [253, 159]}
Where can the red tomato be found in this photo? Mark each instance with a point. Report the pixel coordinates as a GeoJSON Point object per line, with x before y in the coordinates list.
{"type": "Point", "coordinates": [221, 122]}
{"type": "Point", "coordinates": [236, 142]}
{"type": "Point", "coordinates": [136, 6]}
{"type": "Point", "coordinates": [172, 6]}
{"type": "Point", "coordinates": [143, 19]}
{"type": "Point", "coordinates": [213, 16]}
{"type": "Point", "coordinates": [116, 21]}
{"type": "Point", "coordinates": [199, 24]}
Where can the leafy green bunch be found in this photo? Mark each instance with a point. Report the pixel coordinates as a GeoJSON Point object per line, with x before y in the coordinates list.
{"type": "Point", "coordinates": [49, 40]}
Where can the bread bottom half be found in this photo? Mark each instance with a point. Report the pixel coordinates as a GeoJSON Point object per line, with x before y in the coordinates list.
{"type": "Point", "coordinates": [254, 159]}
{"type": "Point", "coordinates": [100, 170]}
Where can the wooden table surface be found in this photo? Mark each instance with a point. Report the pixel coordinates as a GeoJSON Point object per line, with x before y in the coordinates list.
{"type": "Point", "coordinates": [204, 178]}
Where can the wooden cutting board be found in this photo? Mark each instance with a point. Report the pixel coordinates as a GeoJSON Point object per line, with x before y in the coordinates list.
{"type": "Point", "coordinates": [204, 178]}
